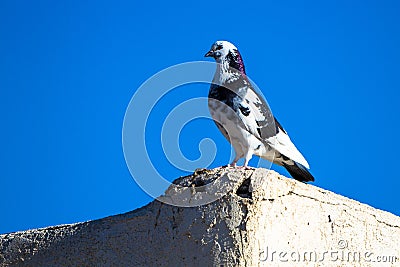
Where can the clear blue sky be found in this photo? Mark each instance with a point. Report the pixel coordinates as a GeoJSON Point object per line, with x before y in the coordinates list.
{"type": "Point", "coordinates": [329, 69]}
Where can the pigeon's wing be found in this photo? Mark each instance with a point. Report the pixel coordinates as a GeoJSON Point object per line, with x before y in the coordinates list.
{"type": "Point", "coordinates": [282, 143]}
{"type": "Point", "coordinates": [255, 114]}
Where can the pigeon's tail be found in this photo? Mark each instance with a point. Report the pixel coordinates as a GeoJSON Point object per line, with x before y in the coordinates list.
{"type": "Point", "coordinates": [299, 172]}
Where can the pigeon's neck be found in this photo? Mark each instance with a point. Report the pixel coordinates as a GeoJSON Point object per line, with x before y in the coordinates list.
{"type": "Point", "coordinates": [235, 61]}
{"type": "Point", "coordinates": [230, 68]}
{"type": "Point", "coordinates": [226, 74]}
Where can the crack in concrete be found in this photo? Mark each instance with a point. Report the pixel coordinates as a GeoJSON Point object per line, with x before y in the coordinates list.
{"type": "Point", "coordinates": [158, 215]}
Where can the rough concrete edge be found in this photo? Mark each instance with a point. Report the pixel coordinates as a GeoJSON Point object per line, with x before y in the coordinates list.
{"type": "Point", "coordinates": [275, 181]}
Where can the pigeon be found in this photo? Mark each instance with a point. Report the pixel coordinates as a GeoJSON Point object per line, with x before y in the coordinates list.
{"type": "Point", "coordinates": [244, 118]}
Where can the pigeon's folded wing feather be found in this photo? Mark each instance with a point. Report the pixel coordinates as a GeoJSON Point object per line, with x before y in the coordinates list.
{"type": "Point", "coordinates": [282, 143]}
{"type": "Point", "coordinates": [255, 114]}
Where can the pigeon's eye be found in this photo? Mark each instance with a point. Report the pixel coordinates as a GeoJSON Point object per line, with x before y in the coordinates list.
{"type": "Point", "coordinates": [219, 47]}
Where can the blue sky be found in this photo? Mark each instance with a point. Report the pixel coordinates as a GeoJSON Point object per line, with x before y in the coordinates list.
{"type": "Point", "coordinates": [68, 69]}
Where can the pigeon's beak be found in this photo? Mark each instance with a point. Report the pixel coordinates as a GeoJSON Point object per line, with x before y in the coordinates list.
{"type": "Point", "coordinates": [209, 54]}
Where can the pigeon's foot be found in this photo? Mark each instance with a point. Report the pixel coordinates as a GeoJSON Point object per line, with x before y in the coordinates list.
{"type": "Point", "coordinates": [234, 165]}
{"type": "Point", "coordinates": [231, 165]}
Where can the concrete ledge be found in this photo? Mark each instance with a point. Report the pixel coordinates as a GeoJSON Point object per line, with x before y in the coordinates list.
{"type": "Point", "coordinates": [265, 219]}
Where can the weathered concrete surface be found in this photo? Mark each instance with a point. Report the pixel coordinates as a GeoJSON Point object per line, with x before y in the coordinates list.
{"type": "Point", "coordinates": [265, 220]}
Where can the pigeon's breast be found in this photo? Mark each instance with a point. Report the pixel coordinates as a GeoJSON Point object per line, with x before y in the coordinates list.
{"type": "Point", "coordinates": [222, 111]}
{"type": "Point", "coordinates": [231, 126]}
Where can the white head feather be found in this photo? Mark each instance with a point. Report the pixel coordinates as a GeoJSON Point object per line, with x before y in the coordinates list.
{"type": "Point", "coordinates": [221, 49]}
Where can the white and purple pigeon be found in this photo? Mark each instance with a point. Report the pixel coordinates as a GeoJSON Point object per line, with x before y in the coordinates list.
{"type": "Point", "coordinates": [244, 117]}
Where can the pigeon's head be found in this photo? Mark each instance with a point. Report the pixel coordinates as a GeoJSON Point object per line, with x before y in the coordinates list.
{"type": "Point", "coordinates": [220, 49]}
{"type": "Point", "coordinates": [225, 52]}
